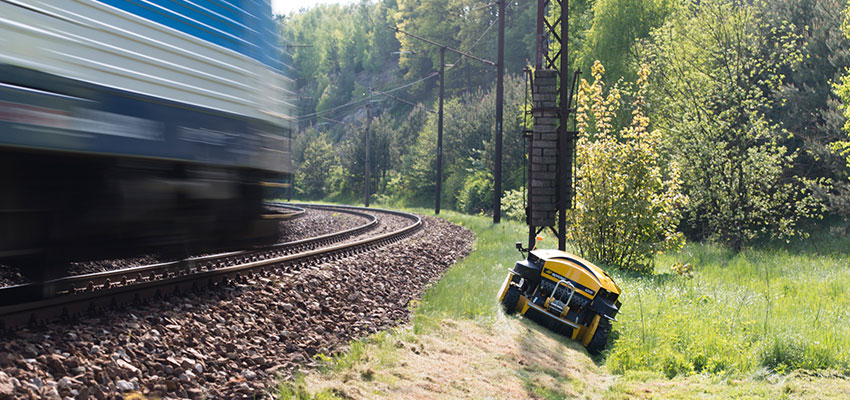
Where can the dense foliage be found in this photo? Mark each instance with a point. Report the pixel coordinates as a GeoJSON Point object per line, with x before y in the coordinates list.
{"type": "Point", "coordinates": [617, 26]}
{"type": "Point", "coordinates": [841, 201]}
{"type": "Point", "coordinates": [627, 199]}
{"type": "Point", "coordinates": [744, 100]}
{"type": "Point", "coordinates": [354, 48]}
{"type": "Point", "coordinates": [718, 66]}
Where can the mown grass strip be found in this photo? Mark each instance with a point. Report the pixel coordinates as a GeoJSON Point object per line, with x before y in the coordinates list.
{"type": "Point", "coordinates": [764, 311]}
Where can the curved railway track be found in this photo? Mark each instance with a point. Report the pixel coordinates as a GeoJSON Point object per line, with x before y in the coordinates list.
{"type": "Point", "coordinates": [67, 297]}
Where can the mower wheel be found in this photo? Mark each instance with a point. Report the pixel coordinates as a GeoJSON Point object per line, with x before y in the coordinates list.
{"type": "Point", "coordinates": [600, 337]}
{"type": "Point", "coordinates": [511, 299]}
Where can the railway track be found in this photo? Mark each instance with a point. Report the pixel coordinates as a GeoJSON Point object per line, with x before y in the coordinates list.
{"type": "Point", "coordinates": [284, 211]}
{"type": "Point", "coordinates": [65, 298]}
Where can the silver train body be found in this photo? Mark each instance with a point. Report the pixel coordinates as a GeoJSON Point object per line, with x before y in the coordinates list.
{"type": "Point", "coordinates": [129, 125]}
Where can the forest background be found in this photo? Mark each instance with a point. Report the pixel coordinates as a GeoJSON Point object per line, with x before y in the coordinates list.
{"type": "Point", "coordinates": [722, 119]}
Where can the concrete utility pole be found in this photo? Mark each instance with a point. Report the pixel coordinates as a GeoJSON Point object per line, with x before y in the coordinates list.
{"type": "Point", "coordinates": [368, 123]}
{"type": "Point", "coordinates": [440, 132]}
{"type": "Point", "coordinates": [500, 99]}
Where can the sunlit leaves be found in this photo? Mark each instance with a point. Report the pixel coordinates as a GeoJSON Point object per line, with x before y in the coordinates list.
{"type": "Point", "coordinates": [842, 89]}
{"type": "Point", "coordinates": [627, 198]}
{"type": "Point", "coordinates": [718, 67]}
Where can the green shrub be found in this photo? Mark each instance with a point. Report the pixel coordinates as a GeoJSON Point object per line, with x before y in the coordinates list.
{"type": "Point", "coordinates": [627, 197]}
{"type": "Point", "coordinates": [676, 364]}
{"type": "Point", "coordinates": [513, 204]}
{"type": "Point", "coordinates": [476, 196]}
{"type": "Point", "coordinates": [312, 178]}
{"type": "Point", "coordinates": [789, 352]}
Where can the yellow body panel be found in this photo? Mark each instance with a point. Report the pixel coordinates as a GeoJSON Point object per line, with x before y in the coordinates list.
{"type": "Point", "coordinates": [505, 287]}
{"type": "Point", "coordinates": [523, 304]}
{"type": "Point", "coordinates": [559, 264]}
{"type": "Point", "coordinates": [590, 330]}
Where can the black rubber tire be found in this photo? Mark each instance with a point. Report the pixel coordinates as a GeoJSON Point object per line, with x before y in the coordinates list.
{"type": "Point", "coordinates": [600, 337]}
{"type": "Point", "coordinates": [511, 299]}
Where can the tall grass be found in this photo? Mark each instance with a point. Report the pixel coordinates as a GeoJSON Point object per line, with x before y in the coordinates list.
{"type": "Point", "coordinates": [469, 289]}
{"type": "Point", "coordinates": [779, 307]}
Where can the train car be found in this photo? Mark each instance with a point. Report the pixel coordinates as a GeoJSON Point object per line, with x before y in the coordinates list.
{"type": "Point", "coordinates": [131, 124]}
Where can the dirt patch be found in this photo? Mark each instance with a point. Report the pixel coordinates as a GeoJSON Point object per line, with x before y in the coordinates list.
{"type": "Point", "coordinates": [509, 359]}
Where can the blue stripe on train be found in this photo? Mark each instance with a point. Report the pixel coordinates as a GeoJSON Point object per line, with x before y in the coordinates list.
{"type": "Point", "coordinates": [245, 26]}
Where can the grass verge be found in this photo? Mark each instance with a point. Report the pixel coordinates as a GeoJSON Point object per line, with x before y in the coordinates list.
{"type": "Point", "coordinates": [768, 322]}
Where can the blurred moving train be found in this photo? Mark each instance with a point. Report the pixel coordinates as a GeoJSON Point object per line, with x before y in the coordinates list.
{"type": "Point", "coordinates": [131, 124]}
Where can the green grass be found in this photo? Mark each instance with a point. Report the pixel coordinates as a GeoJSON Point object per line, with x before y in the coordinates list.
{"type": "Point", "coordinates": [776, 308]}
{"type": "Point", "coordinates": [469, 289]}
{"type": "Point", "coordinates": [762, 312]}
{"type": "Point", "coordinates": [384, 342]}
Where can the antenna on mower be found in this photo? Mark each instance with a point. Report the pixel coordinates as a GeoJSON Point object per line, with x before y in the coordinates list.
{"type": "Point", "coordinates": [534, 247]}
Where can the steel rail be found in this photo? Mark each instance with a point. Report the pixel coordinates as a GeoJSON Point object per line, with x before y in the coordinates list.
{"type": "Point", "coordinates": [87, 282]}
{"type": "Point", "coordinates": [294, 212]}
{"type": "Point", "coordinates": [81, 293]}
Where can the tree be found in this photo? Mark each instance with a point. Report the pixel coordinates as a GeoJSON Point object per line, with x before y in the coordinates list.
{"type": "Point", "coordinates": [717, 69]}
{"type": "Point", "coordinates": [467, 26]}
{"type": "Point", "coordinates": [808, 108]}
{"type": "Point", "coordinates": [627, 197]}
{"type": "Point", "coordinates": [840, 202]}
{"type": "Point", "coordinates": [468, 146]}
{"type": "Point", "coordinates": [353, 157]}
{"type": "Point", "coordinates": [616, 27]}
{"type": "Point", "coordinates": [312, 173]}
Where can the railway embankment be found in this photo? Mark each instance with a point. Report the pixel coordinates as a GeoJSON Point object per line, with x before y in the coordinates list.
{"type": "Point", "coordinates": [234, 341]}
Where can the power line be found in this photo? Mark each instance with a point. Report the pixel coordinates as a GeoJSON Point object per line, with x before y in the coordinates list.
{"type": "Point", "coordinates": [433, 74]}
{"type": "Point", "coordinates": [318, 113]}
{"type": "Point", "coordinates": [405, 101]}
{"type": "Point", "coordinates": [485, 61]}
{"type": "Point", "coordinates": [462, 56]}
{"type": "Point", "coordinates": [336, 122]}
{"type": "Point", "coordinates": [475, 43]}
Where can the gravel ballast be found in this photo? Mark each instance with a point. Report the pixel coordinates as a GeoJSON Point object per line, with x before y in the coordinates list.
{"type": "Point", "coordinates": [235, 340]}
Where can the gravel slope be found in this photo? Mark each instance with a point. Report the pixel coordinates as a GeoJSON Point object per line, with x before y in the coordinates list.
{"type": "Point", "coordinates": [233, 341]}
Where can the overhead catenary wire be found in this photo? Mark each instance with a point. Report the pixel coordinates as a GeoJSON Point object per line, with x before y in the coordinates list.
{"type": "Point", "coordinates": [336, 121]}
{"type": "Point", "coordinates": [386, 92]}
{"type": "Point", "coordinates": [352, 123]}
{"type": "Point", "coordinates": [452, 49]}
{"type": "Point", "coordinates": [475, 43]}
{"type": "Point", "coordinates": [463, 54]}
{"type": "Point", "coordinates": [405, 101]}
{"type": "Point", "coordinates": [318, 113]}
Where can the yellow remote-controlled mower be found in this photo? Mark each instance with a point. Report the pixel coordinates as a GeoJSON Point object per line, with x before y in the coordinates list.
{"type": "Point", "coordinates": [565, 293]}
